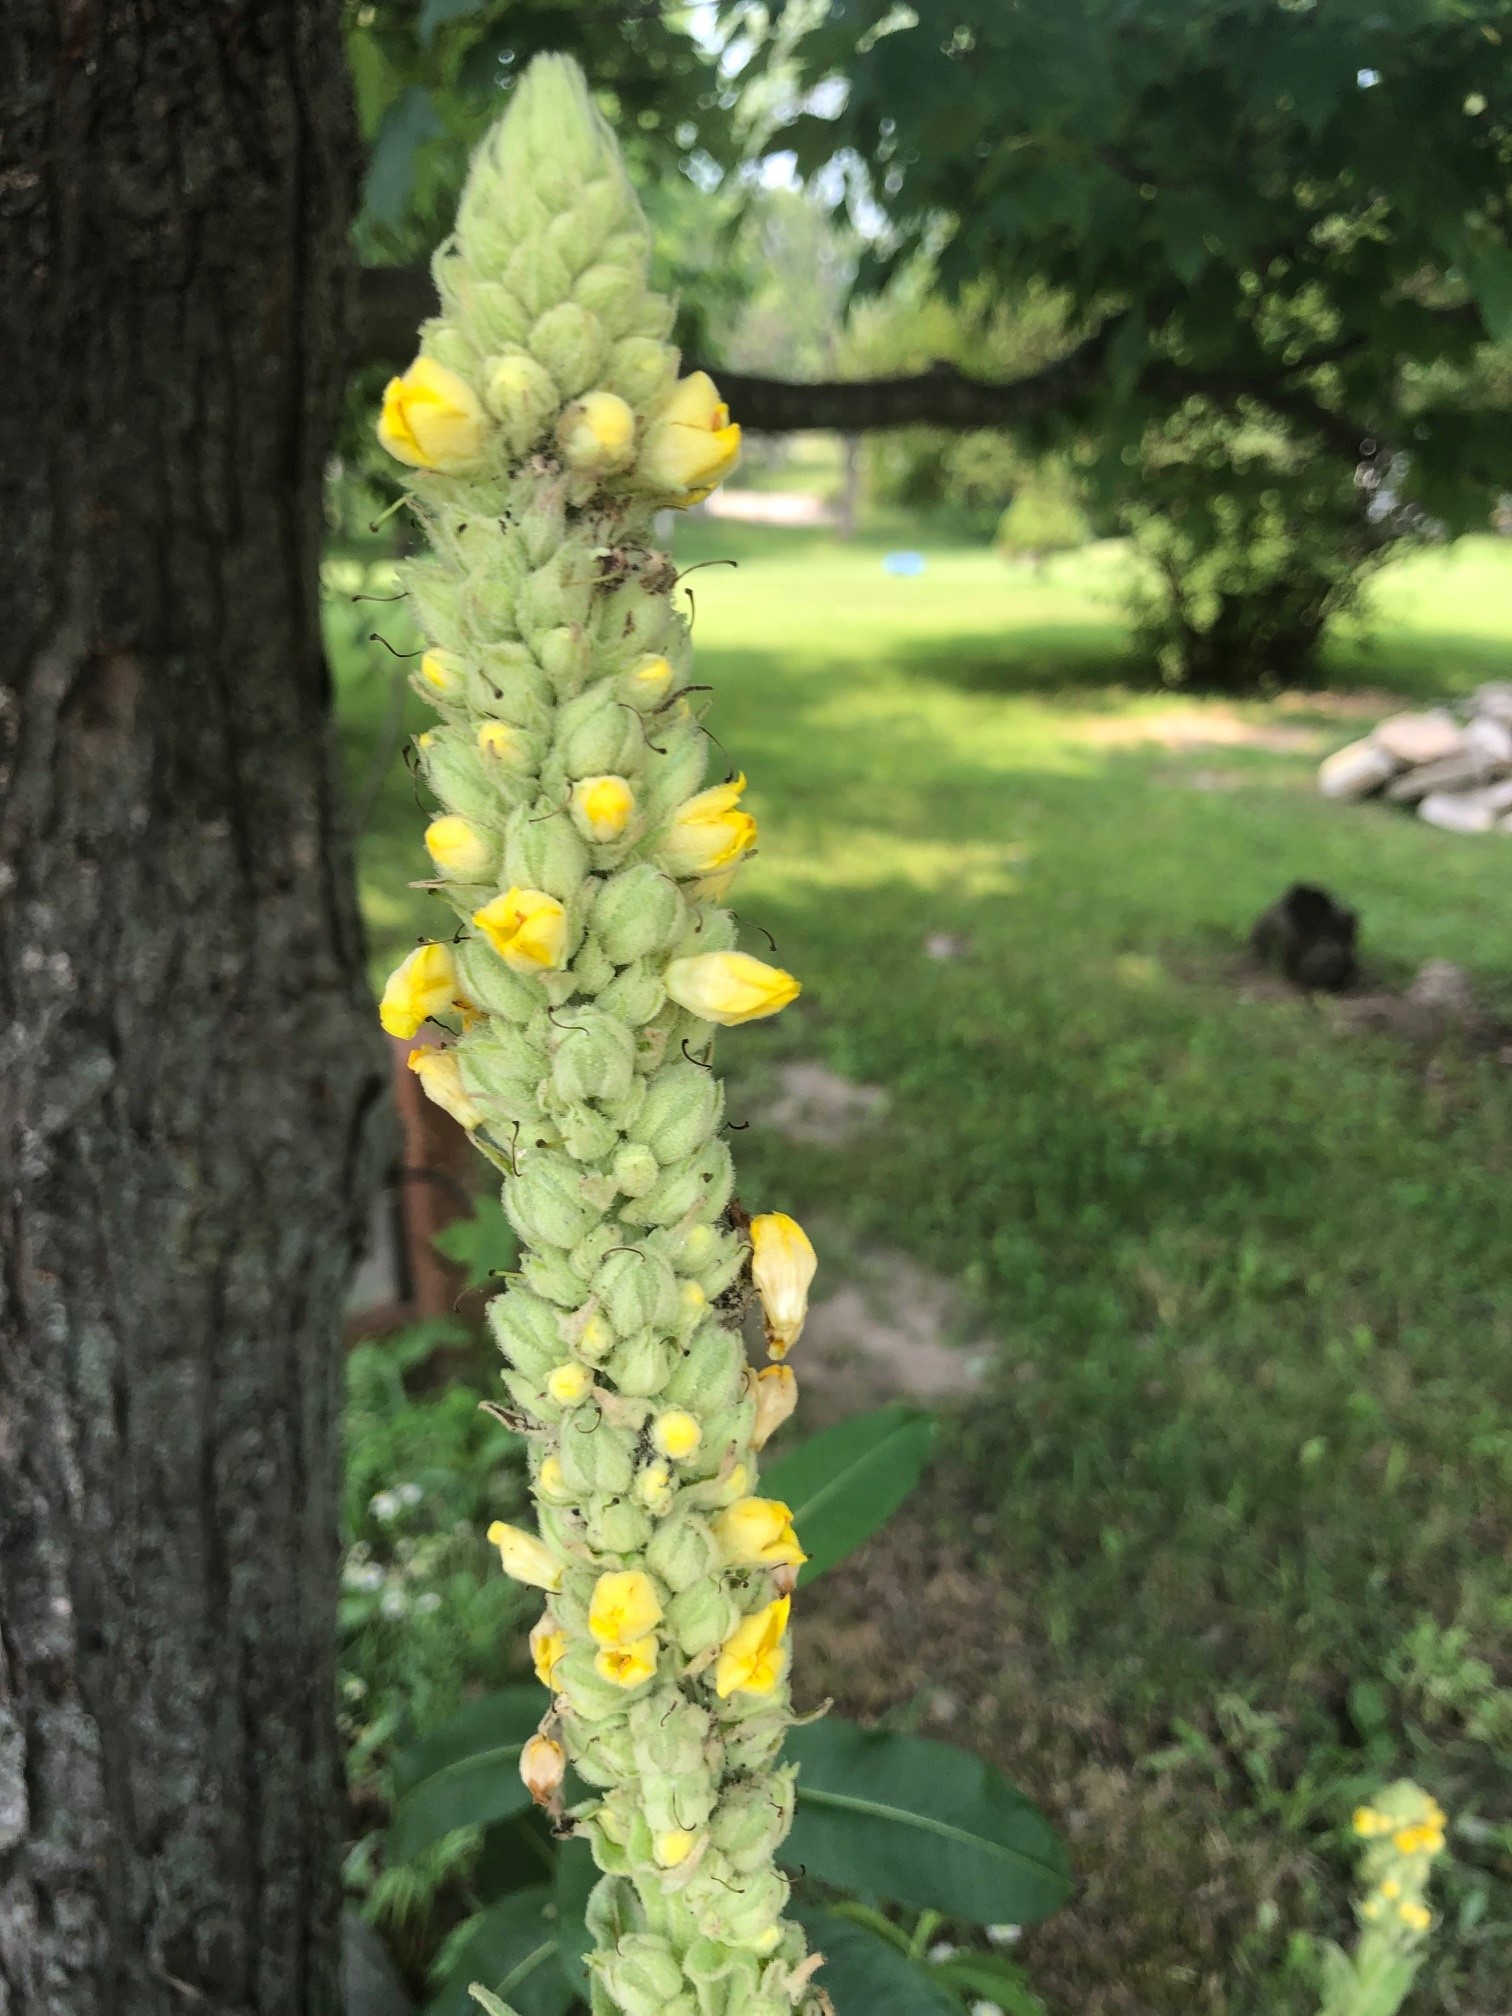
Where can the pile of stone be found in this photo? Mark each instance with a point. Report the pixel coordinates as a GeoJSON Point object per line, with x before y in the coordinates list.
{"type": "Point", "coordinates": [1455, 767]}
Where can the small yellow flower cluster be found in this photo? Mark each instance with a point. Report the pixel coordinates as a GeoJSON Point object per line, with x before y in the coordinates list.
{"type": "Point", "coordinates": [1405, 1830]}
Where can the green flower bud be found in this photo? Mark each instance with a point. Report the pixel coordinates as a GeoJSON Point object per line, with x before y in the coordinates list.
{"type": "Point", "coordinates": [595, 1457]}
{"type": "Point", "coordinates": [636, 1289]}
{"type": "Point", "coordinates": [637, 913]}
{"type": "Point", "coordinates": [569, 341]}
{"type": "Point", "coordinates": [490, 985]}
{"type": "Point", "coordinates": [563, 653]}
{"type": "Point", "coordinates": [683, 1551]}
{"type": "Point", "coordinates": [457, 774]}
{"type": "Point", "coordinates": [701, 1617]}
{"type": "Point", "coordinates": [550, 1276]}
{"type": "Point", "coordinates": [607, 1757]}
{"type": "Point", "coordinates": [641, 370]}
{"type": "Point", "coordinates": [527, 1329]}
{"type": "Point", "coordinates": [633, 996]}
{"type": "Point", "coordinates": [639, 1365]}
{"type": "Point", "coordinates": [642, 1975]}
{"type": "Point", "coordinates": [616, 1526]}
{"type": "Point", "coordinates": [594, 1056]}
{"type": "Point", "coordinates": [544, 854]}
{"type": "Point", "coordinates": [740, 1910]}
{"type": "Point", "coordinates": [635, 1170]}
{"type": "Point", "coordinates": [545, 1203]}
{"type": "Point", "coordinates": [588, 1137]}
{"type": "Point", "coordinates": [587, 1695]}
{"type": "Point", "coordinates": [704, 1183]}
{"type": "Point", "coordinates": [681, 1110]}
{"type": "Point", "coordinates": [753, 1820]}
{"type": "Point", "coordinates": [596, 735]}
{"type": "Point", "coordinates": [710, 1374]}
{"type": "Point", "coordinates": [612, 290]}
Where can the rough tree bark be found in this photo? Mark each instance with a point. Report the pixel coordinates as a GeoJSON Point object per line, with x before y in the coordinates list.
{"type": "Point", "coordinates": [189, 1074]}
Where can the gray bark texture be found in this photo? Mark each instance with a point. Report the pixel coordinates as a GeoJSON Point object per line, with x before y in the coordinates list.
{"type": "Point", "coordinates": [189, 1074]}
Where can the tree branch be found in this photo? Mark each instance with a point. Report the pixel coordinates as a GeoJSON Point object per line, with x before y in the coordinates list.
{"type": "Point", "coordinates": [394, 300]}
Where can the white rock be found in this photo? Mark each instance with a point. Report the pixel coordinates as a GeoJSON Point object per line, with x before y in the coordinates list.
{"type": "Point", "coordinates": [1450, 773]}
{"type": "Point", "coordinates": [1356, 771]}
{"type": "Point", "coordinates": [1492, 738]}
{"type": "Point", "coordinates": [1495, 699]}
{"type": "Point", "coordinates": [1444, 987]}
{"type": "Point", "coordinates": [1420, 738]}
{"type": "Point", "coordinates": [1457, 811]}
{"type": "Point", "coordinates": [1499, 796]}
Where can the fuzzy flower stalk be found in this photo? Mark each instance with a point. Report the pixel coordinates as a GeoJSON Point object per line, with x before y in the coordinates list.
{"type": "Point", "coordinates": [569, 1010]}
{"type": "Point", "coordinates": [1401, 1832]}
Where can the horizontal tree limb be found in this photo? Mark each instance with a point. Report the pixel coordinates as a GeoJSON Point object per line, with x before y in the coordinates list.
{"type": "Point", "coordinates": [394, 300]}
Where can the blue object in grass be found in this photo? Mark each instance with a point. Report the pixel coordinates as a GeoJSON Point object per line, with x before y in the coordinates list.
{"type": "Point", "coordinates": [903, 563]}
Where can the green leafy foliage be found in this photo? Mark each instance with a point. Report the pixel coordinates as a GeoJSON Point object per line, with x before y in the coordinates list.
{"type": "Point", "coordinates": [846, 1483]}
{"type": "Point", "coordinates": [865, 1974]}
{"type": "Point", "coordinates": [922, 1823]}
{"type": "Point", "coordinates": [511, 1948]}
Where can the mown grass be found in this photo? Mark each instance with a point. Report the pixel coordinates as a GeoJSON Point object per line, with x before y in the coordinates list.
{"type": "Point", "coordinates": [1244, 1467]}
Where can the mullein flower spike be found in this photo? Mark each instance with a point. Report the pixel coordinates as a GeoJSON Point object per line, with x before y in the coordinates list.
{"type": "Point", "coordinates": [583, 857]}
{"type": "Point", "coordinates": [1402, 1832]}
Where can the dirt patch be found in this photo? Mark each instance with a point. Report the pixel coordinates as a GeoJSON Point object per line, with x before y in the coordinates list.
{"type": "Point", "coordinates": [1202, 728]}
{"type": "Point", "coordinates": [816, 1104]}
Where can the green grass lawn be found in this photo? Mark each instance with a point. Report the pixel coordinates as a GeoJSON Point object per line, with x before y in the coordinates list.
{"type": "Point", "coordinates": [1239, 1489]}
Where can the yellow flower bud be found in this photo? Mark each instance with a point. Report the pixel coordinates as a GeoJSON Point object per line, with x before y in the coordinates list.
{"type": "Point", "coordinates": [752, 1658]}
{"type": "Point", "coordinates": [651, 677]}
{"type": "Point", "coordinates": [458, 848]}
{"type": "Point", "coordinates": [597, 1338]}
{"type": "Point", "coordinates": [422, 985]}
{"type": "Point", "coordinates": [543, 1766]}
{"type": "Point", "coordinates": [627, 1665]}
{"type": "Point", "coordinates": [550, 1481]}
{"type": "Point", "coordinates": [432, 419]}
{"type": "Point", "coordinates": [568, 1383]}
{"type": "Point", "coordinates": [654, 1486]}
{"type": "Point", "coordinates": [709, 833]}
{"type": "Point", "coordinates": [729, 987]}
{"type": "Point", "coordinates": [440, 1076]}
{"type": "Point", "coordinates": [734, 1486]}
{"type": "Point", "coordinates": [525, 1557]}
{"type": "Point", "coordinates": [691, 445]}
{"type": "Point", "coordinates": [601, 807]}
{"type": "Point", "coordinates": [1424, 1839]}
{"type": "Point", "coordinates": [442, 672]}
{"type": "Point", "coordinates": [783, 1263]}
{"type": "Point", "coordinates": [758, 1533]}
{"type": "Point", "coordinates": [674, 1847]}
{"type": "Point", "coordinates": [1416, 1917]}
{"type": "Point", "coordinates": [496, 739]}
{"type": "Point", "coordinates": [548, 1643]}
{"type": "Point", "coordinates": [776, 1397]}
{"type": "Point", "coordinates": [1368, 1821]}
{"type": "Point", "coordinates": [597, 433]}
{"type": "Point", "coordinates": [526, 928]}
{"type": "Point", "coordinates": [692, 1298]}
{"type": "Point", "coordinates": [676, 1434]}
{"type": "Point", "coordinates": [624, 1608]}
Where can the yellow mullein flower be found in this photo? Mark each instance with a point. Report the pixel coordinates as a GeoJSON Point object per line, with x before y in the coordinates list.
{"type": "Point", "coordinates": [776, 1397]}
{"type": "Point", "coordinates": [597, 433]}
{"type": "Point", "coordinates": [1367, 1821]}
{"type": "Point", "coordinates": [543, 1766]}
{"type": "Point", "coordinates": [432, 419]}
{"type": "Point", "coordinates": [674, 1847]}
{"type": "Point", "coordinates": [1416, 1917]}
{"type": "Point", "coordinates": [783, 1263]}
{"type": "Point", "coordinates": [525, 1557]}
{"type": "Point", "coordinates": [758, 1533]}
{"type": "Point", "coordinates": [676, 1434]}
{"type": "Point", "coordinates": [624, 1607]}
{"type": "Point", "coordinates": [654, 1487]}
{"type": "Point", "coordinates": [440, 1076]}
{"type": "Point", "coordinates": [548, 1644]}
{"type": "Point", "coordinates": [729, 987]}
{"type": "Point", "coordinates": [442, 672]}
{"type": "Point", "coordinates": [691, 445]}
{"type": "Point", "coordinates": [1424, 1839]}
{"type": "Point", "coordinates": [568, 1383]}
{"type": "Point", "coordinates": [751, 1659]}
{"type": "Point", "coordinates": [709, 832]}
{"type": "Point", "coordinates": [527, 929]}
{"type": "Point", "coordinates": [601, 807]}
{"type": "Point", "coordinates": [627, 1665]}
{"type": "Point", "coordinates": [420, 986]}
{"type": "Point", "coordinates": [550, 1480]}
{"type": "Point", "coordinates": [458, 848]}
{"type": "Point", "coordinates": [496, 739]}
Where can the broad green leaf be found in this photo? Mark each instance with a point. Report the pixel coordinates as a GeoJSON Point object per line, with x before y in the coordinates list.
{"type": "Point", "coordinates": [508, 1716]}
{"type": "Point", "coordinates": [576, 1875]}
{"type": "Point", "coordinates": [845, 1483]}
{"type": "Point", "coordinates": [512, 1954]}
{"type": "Point", "coordinates": [991, 1976]}
{"type": "Point", "coordinates": [917, 1822]}
{"type": "Point", "coordinates": [407, 124]}
{"type": "Point", "coordinates": [865, 1976]}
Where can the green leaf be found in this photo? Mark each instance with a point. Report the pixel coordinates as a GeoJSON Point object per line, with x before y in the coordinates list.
{"type": "Point", "coordinates": [576, 1876]}
{"type": "Point", "coordinates": [990, 1975]}
{"type": "Point", "coordinates": [865, 1976]}
{"type": "Point", "coordinates": [845, 1483]}
{"type": "Point", "coordinates": [483, 1243]}
{"type": "Point", "coordinates": [436, 13]}
{"type": "Point", "coordinates": [920, 1823]}
{"type": "Point", "coordinates": [407, 124]}
{"type": "Point", "coordinates": [464, 1774]}
{"type": "Point", "coordinates": [512, 1949]}
{"type": "Point", "coordinates": [489, 2004]}
{"type": "Point", "coordinates": [508, 1716]}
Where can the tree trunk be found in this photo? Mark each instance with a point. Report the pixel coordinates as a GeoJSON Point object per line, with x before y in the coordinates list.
{"type": "Point", "coordinates": [189, 1071]}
